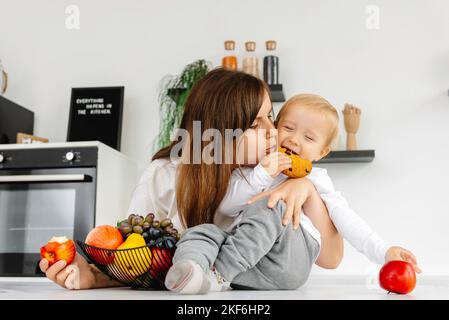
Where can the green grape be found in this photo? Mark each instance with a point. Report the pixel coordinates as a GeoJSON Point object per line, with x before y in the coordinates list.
{"type": "Point", "coordinates": [138, 229]}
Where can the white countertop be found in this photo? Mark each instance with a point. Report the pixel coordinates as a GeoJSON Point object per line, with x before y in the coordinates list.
{"type": "Point", "coordinates": [318, 287]}
{"type": "Point", "coordinates": [52, 145]}
{"type": "Point", "coordinates": [55, 145]}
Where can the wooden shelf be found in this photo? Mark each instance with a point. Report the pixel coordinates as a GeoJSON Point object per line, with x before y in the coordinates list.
{"type": "Point", "coordinates": [345, 156]}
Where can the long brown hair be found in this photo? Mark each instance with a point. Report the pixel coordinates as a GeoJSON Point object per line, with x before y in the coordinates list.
{"type": "Point", "coordinates": [222, 99]}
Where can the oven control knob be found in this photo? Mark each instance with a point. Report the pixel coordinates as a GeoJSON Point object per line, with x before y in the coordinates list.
{"type": "Point", "coordinates": [2, 158]}
{"type": "Point", "coordinates": [70, 156]}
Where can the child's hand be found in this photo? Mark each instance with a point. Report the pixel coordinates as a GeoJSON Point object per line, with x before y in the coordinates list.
{"type": "Point", "coordinates": [77, 275]}
{"type": "Point", "coordinates": [276, 162]}
{"type": "Point", "coordinates": [398, 253]}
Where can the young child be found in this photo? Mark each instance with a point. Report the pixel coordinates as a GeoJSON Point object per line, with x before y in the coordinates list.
{"type": "Point", "coordinates": [251, 249]}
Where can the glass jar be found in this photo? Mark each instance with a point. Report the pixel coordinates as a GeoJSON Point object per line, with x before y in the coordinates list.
{"type": "Point", "coordinates": [229, 61]}
{"type": "Point", "coordinates": [250, 61]}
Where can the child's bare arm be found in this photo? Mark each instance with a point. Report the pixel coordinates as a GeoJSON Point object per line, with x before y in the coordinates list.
{"type": "Point", "coordinates": [331, 252]}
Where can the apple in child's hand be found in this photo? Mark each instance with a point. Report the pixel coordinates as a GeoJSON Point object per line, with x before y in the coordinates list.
{"type": "Point", "coordinates": [59, 248]}
{"type": "Point", "coordinates": [398, 277]}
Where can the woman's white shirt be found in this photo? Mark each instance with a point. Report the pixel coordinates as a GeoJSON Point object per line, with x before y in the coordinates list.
{"type": "Point", "coordinates": [156, 192]}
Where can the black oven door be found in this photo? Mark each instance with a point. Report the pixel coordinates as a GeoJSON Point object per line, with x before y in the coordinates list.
{"type": "Point", "coordinates": [36, 205]}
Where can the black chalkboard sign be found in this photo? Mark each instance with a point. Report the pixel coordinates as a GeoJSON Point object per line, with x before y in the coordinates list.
{"type": "Point", "coordinates": [96, 114]}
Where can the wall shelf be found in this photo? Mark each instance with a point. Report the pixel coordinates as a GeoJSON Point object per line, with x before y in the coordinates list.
{"type": "Point", "coordinates": [277, 93]}
{"type": "Point", "coordinates": [346, 156]}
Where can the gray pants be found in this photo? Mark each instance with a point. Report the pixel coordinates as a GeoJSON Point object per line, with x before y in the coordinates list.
{"type": "Point", "coordinates": [259, 253]}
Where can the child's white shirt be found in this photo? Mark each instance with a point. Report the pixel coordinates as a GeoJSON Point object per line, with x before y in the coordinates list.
{"type": "Point", "coordinates": [349, 225]}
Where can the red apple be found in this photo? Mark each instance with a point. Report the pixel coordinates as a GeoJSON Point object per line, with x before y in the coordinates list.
{"type": "Point", "coordinates": [398, 277]}
{"type": "Point", "coordinates": [161, 261]}
{"type": "Point", "coordinates": [104, 237]}
{"type": "Point", "coordinates": [59, 248]}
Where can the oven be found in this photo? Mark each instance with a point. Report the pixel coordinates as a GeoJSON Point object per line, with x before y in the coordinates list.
{"type": "Point", "coordinates": [46, 192]}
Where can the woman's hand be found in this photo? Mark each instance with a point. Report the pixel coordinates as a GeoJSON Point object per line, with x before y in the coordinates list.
{"type": "Point", "coordinates": [294, 192]}
{"type": "Point", "coordinates": [398, 253]}
{"type": "Point", "coordinates": [77, 275]}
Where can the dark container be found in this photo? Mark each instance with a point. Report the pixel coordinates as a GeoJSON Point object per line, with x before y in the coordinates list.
{"type": "Point", "coordinates": [14, 119]}
{"type": "Point", "coordinates": [271, 64]}
{"type": "Point", "coordinates": [271, 70]}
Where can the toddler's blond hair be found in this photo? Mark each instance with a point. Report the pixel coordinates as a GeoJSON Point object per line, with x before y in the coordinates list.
{"type": "Point", "coordinates": [318, 103]}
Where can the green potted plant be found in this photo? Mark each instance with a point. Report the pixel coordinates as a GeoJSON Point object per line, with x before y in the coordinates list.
{"type": "Point", "coordinates": [172, 96]}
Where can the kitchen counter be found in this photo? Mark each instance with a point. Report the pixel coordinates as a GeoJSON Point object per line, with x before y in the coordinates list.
{"type": "Point", "coordinates": [318, 287]}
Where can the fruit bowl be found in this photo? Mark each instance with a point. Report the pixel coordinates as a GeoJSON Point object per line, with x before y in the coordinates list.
{"type": "Point", "coordinates": [142, 267]}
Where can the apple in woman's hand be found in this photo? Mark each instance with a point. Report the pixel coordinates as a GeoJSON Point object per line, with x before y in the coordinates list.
{"type": "Point", "coordinates": [59, 248]}
{"type": "Point", "coordinates": [398, 277]}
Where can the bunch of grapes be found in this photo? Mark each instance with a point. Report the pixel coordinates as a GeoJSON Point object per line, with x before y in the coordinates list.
{"type": "Point", "coordinates": [155, 232]}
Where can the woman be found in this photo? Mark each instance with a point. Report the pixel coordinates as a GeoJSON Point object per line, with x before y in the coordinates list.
{"type": "Point", "coordinates": [189, 192]}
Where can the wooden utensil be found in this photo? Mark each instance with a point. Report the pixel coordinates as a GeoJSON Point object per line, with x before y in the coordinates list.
{"type": "Point", "coordinates": [24, 138]}
{"type": "Point", "coordinates": [352, 121]}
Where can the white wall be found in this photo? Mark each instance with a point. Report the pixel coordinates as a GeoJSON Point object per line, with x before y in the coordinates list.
{"type": "Point", "coordinates": [398, 75]}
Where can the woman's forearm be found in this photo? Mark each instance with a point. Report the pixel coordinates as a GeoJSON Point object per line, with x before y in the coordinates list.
{"type": "Point", "coordinates": [331, 252]}
{"type": "Point", "coordinates": [102, 280]}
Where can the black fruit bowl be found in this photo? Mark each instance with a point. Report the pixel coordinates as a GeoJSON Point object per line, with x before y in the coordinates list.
{"type": "Point", "coordinates": [140, 268]}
